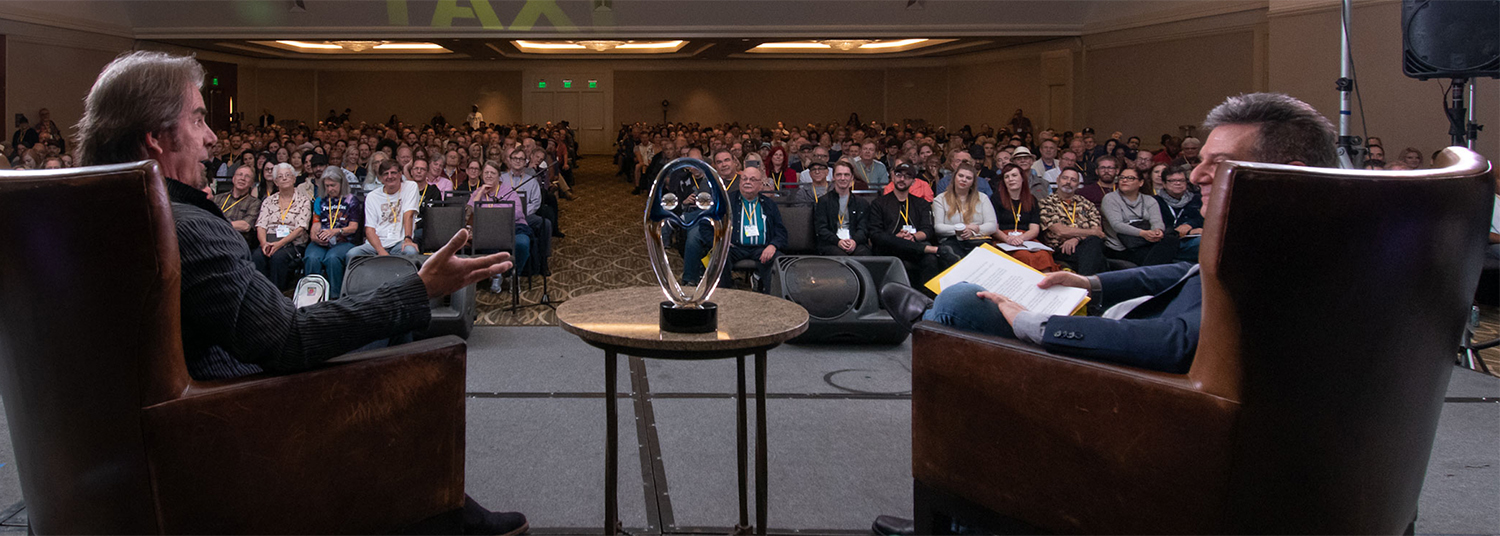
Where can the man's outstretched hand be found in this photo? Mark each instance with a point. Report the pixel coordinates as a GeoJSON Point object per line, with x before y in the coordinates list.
{"type": "Point", "coordinates": [443, 273]}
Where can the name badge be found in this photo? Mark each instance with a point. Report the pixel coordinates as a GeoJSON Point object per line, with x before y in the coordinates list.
{"type": "Point", "coordinates": [843, 234]}
{"type": "Point", "coordinates": [909, 229]}
{"type": "Point", "coordinates": [281, 231]}
{"type": "Point", "coordinates": [752, 231]}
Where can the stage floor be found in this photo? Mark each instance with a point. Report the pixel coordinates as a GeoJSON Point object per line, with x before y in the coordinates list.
{"type": "Point", "coordinates": [840, 440]}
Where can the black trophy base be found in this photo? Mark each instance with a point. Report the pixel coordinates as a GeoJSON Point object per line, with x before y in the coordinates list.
{"type": "Point", "coordinates": [684, 320]}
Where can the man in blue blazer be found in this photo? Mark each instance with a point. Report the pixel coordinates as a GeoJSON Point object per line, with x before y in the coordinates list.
{"type": "Point", "coordinates": [756, 231]}
{"type": "Point", "coordinates": [1153, 312]}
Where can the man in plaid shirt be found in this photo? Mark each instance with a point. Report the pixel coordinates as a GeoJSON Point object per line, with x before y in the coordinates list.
{"type": "Point", "coordinates": [1072, 226]}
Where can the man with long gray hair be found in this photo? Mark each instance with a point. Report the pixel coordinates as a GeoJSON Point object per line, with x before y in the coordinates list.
{"type": "Point", "coordinates": [147, 105]}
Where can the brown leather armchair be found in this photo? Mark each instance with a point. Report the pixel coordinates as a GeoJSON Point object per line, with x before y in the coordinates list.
{"type": "Point", "coordinates": [1332, 304]}
{"type": "Point", "coordinates": [110, 433]}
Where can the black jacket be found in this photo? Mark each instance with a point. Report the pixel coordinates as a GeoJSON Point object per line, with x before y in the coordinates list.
{"type": "Point", "coordinates": [885, 221]}
{"type": "Point", "coordinates": [826, 219]}
{"type": "Point", "coordinates": [235, 322]}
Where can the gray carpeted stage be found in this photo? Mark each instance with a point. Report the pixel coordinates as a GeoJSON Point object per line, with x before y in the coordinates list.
{"type": "Point", "coordinates": [840, 443]}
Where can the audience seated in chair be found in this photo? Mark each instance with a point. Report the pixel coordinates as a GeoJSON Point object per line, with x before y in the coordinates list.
{"type": "Point", "coordinates": [900, 225]}
{"type": "Point", "coordinates": [282, 228]}
{"type": "Point", "coordinates": [756, 232]}
{"type": "Point", "coordinates": [817, 187]}
{"type": "Point", "coordinates": [492, 190]}
{"type": "Point", "coordinates": [1181, 211]}
{"type": "Point", "coordinates": [1133, 227]}
{"type": "Point", "coordinates": [390, 215]}
{"type": "Point", "coordinates": [240, 206]}
{"type": "Point", "coordinates": [1073, 227]}
{"type": "Point", "coordinates": [839, 218]}
{"type": "Point", "coordinates": [337, 217]}
{"type": "Point", "coordinates": [963, 217]}
{"type": "Point", "coordinates": [1106, 168]}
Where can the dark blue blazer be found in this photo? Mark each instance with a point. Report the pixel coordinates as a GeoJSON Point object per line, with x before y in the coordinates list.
{"type": "Point", "coordinates": [775, 231]}
{"type": "Point", "coordinates": [1159, 334]}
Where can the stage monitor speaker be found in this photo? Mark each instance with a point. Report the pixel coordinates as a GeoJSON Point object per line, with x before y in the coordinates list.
{"type": "Point", "coordinates": [451, 315]}
{"type": "Point", "coordinates": [841, 295]}
{"type": "Point", "coordinates": [1450, 38]}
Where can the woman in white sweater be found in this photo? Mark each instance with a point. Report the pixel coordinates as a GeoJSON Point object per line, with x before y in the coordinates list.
{"type": "Point", "coordinates": [1133, 228]}
{"type": "Point", "coordinates": [962, 216]}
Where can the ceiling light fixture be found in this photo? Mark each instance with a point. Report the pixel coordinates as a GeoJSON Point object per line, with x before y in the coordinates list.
{"type": "Point", "coordinates": [300, 44]}
{"type": "Point", "coordinates": [358, 46]}
{"type": "Point", "coordinates": [893, 44]}
{"type": "Point", "coordinates": [551, 46]}
{"type": "Point", "coordinates": [792, 45]}
{"type": "Point", "coordinates": [663, 44]}
{"type": "Point", "coordinates": [600, 45]}
{"type": "Point", "coordinates": [846, 44]}
{"type": "Point", "coordinates": [409, 46]}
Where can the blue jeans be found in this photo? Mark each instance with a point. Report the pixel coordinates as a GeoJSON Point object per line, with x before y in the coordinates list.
{"type": "Point", "coordinates": [327, 261]}
{"type": "Point", "coordinates": [522, 253]}
{"type": "Point", "coordinates": [700, 239]}
{"type": "Point", "coordinates": [1187, 249]}
{"type": "Point", "coordinates": [959, 306]}
{"type": "Point", "coordinates": [366, 250]}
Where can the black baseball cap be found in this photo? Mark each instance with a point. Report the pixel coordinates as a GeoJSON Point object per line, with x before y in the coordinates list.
{"type": "Point", "coordinates": [906, 169]}
{"type": "Point", "coordinates": [817, 165]}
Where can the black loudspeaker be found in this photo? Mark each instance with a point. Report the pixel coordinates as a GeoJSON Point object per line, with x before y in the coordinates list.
{"type": "Point", "coordinates": [841, 295]}
{"type": "Point", "coordinates": [1450, 38]}
{"type": "Point", "coordinates": [451, 315]}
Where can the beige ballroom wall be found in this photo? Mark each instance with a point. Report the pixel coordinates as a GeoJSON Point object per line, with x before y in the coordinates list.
{"type": "Point", "coordinates": [756, 96]}
{"type": "Point", "coordinates": [53, 69]}
{"type": "Point", "coordinates": [374, 95]}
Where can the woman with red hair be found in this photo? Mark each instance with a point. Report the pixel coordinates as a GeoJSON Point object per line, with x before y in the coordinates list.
{"type": "Point", "coordinates": [1020, 217]}
{"type": "Point", "coordinates": [778, 173]}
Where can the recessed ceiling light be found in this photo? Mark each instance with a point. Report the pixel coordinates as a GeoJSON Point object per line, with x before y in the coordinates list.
{"type": "Point", "coordinates": [893, 44]}
{"type": "Point", "coordinates": [663, 44]}
{"type": "Point", "coordinates": [793, 45]}
{"type": "Point", "coordinates": [550, 46]}
{"type": "Point", "coordinates": [300, 44]}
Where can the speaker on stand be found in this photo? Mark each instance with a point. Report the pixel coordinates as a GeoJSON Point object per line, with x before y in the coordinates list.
{"type": "Point", "coordinates": [1456, 39]}
{"type": "Point", "coordinates": [841, 295]}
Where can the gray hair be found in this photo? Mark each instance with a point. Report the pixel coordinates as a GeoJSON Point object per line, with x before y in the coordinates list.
{"type": "Point", "coordinates": [276, 171]}
{"type": "Point", "coordinates": [139, 93]}
{"type": "Point", "coordinates": [1290, 130]}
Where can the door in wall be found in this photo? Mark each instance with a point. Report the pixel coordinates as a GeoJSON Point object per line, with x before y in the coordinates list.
{"type": "Point", "coordinates": [582, 98]}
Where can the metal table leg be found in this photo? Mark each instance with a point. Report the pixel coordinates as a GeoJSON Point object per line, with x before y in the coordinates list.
{"type": "Point", "coordinates": [611, 447]}
{"type": "Point", "coordinates": [760, 442]}
{"type": "Point", "coordinates": [741, 433]}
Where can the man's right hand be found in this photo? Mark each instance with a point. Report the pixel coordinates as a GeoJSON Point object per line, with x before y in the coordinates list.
{"type": "Point", "coordinates": [1064, 279]}
{"type": "Point", "coordinates": [1069, 246]}
{"type": "Point", "coordinates": [443, 273]}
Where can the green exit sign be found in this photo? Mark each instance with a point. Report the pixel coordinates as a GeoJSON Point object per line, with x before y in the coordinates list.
{"type": "Point", "coordinates": [214, 82]}
{"type": "Point", "coordinates": [541, 84]}
{"type": "Point", "coordinates": [593, 84]}
{"type": "Point", "coordinates": [567, 84]}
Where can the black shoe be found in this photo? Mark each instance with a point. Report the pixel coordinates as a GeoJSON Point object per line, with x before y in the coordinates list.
{"type": "Point", "coordinates": [905, 304]}
{"type": "Point", "coordinates": [478, 520]}
{"type": "Point", "coordinates": [892, 526]}
{"type": "Point", "coordinates": [558, 234]}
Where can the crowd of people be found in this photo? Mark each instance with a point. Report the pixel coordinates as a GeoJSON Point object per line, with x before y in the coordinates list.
{"type": "Point", "coordinates": [1054, 200]}
{"type": "Point", "coordinates": [315, 196]}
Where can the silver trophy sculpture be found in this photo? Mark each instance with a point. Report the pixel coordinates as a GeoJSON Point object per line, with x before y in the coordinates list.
{"type": "Point", "coordinates": [708, 205]}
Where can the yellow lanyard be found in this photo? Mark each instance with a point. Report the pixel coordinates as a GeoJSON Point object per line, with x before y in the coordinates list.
{"type": "Point", "coordinates": [1015, 212]}
{"type": "Point", "coordinates": [777, 184]}
{"type": "Point", "coordinates": [841, 220]}
{"type": "Point", "coordinates": [1072, 213]}
{"type": "Point", "coordinates": [288, 209]}
{"type": "Point", "coordinates": [225, 209]}
{"type": "Point", "coordinates": [905, 209]}
{"type": "Point", "coordinates": [749, 218]}
{"type": "Point", "coordinates": [814, 188]}
{"type": "Point", "coordinates": [333, 214]}
{"type": "Point", "coordinates": [395, 211]}
{"type": "Point", "coordinates": [424, 190]}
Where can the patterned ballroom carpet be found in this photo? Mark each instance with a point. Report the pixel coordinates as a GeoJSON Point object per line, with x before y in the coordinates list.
{"type": "Point", "coordinates": [605, 249]}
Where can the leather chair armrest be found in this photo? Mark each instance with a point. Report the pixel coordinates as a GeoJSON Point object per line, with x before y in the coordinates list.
{"type": "Point", "coordinates": [1020, 431]}
{"type": "Point", "coordinates": [370, 445]}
